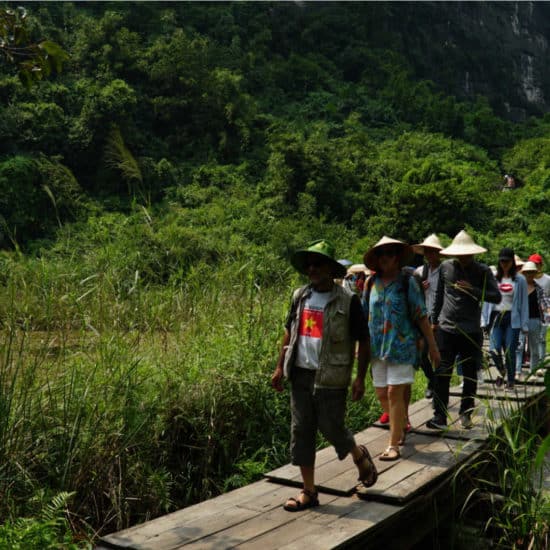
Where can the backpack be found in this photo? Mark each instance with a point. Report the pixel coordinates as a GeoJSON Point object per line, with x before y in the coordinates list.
{"type": "Point", "coordinates": [405, 279]}
{"type": "Point", "coordinates": [424, 276]}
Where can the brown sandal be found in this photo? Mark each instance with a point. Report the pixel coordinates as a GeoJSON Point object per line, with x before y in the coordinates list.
{"type": "Point", "coordinates": [401, 442]}
{"type": "Point", "coordinates": [296, 505]}
{"type": "Point", "coordinates": [391, 453]}
{"type": "Point", "coordinates": [368, 475]}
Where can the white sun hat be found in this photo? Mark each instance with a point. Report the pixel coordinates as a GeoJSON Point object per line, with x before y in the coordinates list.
{"type": "Point", "coordinates": [463, 245]}
{"type": "Point", "coordinates": [528, 267]}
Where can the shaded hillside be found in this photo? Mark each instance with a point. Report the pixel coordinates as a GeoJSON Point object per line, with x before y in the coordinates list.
{"type": "Point", "coordinates": [316, 110]}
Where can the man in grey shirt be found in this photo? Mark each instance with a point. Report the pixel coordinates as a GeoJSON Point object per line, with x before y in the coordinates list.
{"type": "Point", "coordinates": [464, 284]}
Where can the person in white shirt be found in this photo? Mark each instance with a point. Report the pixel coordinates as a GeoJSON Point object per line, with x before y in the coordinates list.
{"type": "Point", "coordinates": [317, 355]}
{"type": "Point", "coordinates": [508, 317]}
{"type": "Point", "coordinates": [427, 276]}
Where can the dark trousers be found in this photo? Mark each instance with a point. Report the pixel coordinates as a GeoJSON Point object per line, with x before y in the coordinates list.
{"type": "Point", "coordinates": [468, 347]}
{"type": "Point", "coordinates": [426, 365]}
{"type": "Point", "coordinates": [316, 409]}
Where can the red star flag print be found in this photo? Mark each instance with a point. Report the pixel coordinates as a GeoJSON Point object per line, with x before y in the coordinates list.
{"type": "Point", "coordinates": [311, 324]}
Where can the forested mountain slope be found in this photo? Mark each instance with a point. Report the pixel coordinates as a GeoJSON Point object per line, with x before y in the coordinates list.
{"type": "Point", "coordinates": [380, 117]}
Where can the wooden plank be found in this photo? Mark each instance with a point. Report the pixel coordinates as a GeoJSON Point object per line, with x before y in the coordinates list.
{"type": "Point", "coordinates": [340, 528]}
{"type": "Point", "coordinates": [188, 532]}
{"type": "Point", "coordinates": [520, 393]}
{"type": "Point", "coordinates": [433, 456]}
{"type": "Point", "coordinates": [340, 477]}
{"type": "Point", "coordinates": [491, 373]}
{"type": "Point", "coordinates": [454, 429]}
{"type": "Point", "coordinates": [278, 527]}
{"type": "Point", "coordinates": [253, 516]}
{"type": "Point", "coordinates": [430, 469]}
{"type": "Point", "coordinates": [291, 474]}
{"type": "Point", "coordinates": [140, 534]}
{"type": "Point", "coordinates": [330, 469]}
{"type": "Point", "coordinates": [347, 478]}
{"type": "Point", "coordinates": [267, 521]}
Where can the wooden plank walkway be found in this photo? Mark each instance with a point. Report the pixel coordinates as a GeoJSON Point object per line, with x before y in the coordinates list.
{"type": "Point", "coordinates": [349, 516]}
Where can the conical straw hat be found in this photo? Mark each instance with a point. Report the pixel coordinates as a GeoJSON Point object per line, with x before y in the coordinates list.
{"type": "Point", "coordinates": [359, 268]}
{"type": "Point", "coordinates": [371, 261]}
{"type": "Point", "coordinates": [518, 260]}
{"type": "Point", "coordinates": [463, 245]}
{"type": "Point", "coordinates": [429, 242]}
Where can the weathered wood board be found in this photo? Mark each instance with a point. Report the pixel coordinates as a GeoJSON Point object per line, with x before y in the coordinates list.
{"type": "Point", "coordinates": [521, 392]}
{"type": "Point", "coordinates": [252, 517]}
{"type": "Point", "coordinates": [490, 374]}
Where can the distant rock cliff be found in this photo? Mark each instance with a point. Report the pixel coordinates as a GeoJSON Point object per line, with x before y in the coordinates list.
{"type": "Point", "coordinates": [497, 49]}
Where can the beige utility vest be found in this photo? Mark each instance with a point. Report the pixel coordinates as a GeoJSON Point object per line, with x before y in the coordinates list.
{"type": "Point", "coordinates": [337, 348]}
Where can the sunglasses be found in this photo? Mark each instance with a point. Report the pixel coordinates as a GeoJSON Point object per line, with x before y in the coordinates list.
{"type": "Point", "coordinates": [386, 251]}
{"type": "Point", "coordinates": [315, 262]}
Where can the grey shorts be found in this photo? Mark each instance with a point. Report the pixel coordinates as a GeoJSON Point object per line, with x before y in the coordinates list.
{"type": "Point", "coordinates": [311, 410]}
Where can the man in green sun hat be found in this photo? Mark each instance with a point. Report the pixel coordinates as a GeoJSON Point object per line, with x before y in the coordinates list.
{"type": "Point", "coordinates": [324, 323]}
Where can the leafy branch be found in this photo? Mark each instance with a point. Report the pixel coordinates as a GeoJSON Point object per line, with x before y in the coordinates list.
{"type": "Point", "coordinates": [35, 60]}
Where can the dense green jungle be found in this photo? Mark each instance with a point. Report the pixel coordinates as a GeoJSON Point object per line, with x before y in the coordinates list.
{"type": "Point", "coordinates": [153, 189]}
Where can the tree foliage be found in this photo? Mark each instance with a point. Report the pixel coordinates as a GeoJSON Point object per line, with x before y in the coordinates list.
{"type": "Point", "coordinates": [34, 60]}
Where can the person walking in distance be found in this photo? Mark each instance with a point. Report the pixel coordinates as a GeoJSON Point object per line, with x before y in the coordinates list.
{"type": "Point", "coordinates": [324, 323]}
{"type": "Point", "coordinates": [543, 280]}
{"type": "Point", "coordinates": [427, 276]}
{"type": "Point", "coordinates": [539, 306]}
{"type": "Point", "coordinates": [462, 287]}
{"type": "Point", "coordinates": [509, 317]}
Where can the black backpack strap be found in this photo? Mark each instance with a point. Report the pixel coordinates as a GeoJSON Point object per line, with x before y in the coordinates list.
{"type": "Point", "coordinates": [369, 281]}
{"type": "Point", "coordinates": [406, 279]}
{"type": "Point", "coordinates": [424, 276]}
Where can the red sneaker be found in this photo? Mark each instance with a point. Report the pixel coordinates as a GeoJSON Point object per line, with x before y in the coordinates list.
{"type": "Point", "coordinates": [384, 419]}
{"type": "Point", "coordinates": [408, 427]}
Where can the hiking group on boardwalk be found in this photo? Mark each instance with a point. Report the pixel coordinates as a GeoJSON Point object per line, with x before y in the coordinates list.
{"type": "Point", "coordinates": [400, 319]}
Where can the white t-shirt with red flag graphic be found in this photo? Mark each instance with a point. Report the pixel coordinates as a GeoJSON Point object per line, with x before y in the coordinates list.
{"type": "Point", "coordinates": [506, 287]}
{"type": "Point", "coordinates": [311, 330]}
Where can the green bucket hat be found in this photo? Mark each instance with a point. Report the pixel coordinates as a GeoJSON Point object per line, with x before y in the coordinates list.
{"type": "Point", "coordinates": [321, 248]}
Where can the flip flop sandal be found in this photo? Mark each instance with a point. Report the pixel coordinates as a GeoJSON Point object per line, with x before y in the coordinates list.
{"type": "Point", "coordinates": [391, 453]}
{"type": "Point", "coordinates": [368, 476]}
{"type": "Point", "coordinates": [298, 505]}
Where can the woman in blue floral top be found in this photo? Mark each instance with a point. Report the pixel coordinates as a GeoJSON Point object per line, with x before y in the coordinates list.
{"type": "Point", "coordinates": [393, 322]}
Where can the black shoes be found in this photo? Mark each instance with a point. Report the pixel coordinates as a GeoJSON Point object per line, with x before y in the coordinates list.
{"type": "Point", "coordinates": [466, 421]}
{"type": "Point", "coordinates": [437, 423]}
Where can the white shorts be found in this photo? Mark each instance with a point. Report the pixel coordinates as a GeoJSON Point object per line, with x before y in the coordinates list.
{"type": "Point", "coordinates": [390, 374]}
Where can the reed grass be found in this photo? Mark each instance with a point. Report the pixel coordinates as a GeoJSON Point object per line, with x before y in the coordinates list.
{"type": "Point", "coordinates": [139, 398]}
{"type": "Point", "coordinates": [140, 392]}
{"type": "Point", "coordinates": [507, 480]}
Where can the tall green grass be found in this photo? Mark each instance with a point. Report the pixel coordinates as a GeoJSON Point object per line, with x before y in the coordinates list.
{"type": "Point", "coordinates": [139, 398]}
{"type": "Point", "coordinates": [135, 363]}
{"type": "Point", "coordinates": [512, 507]}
